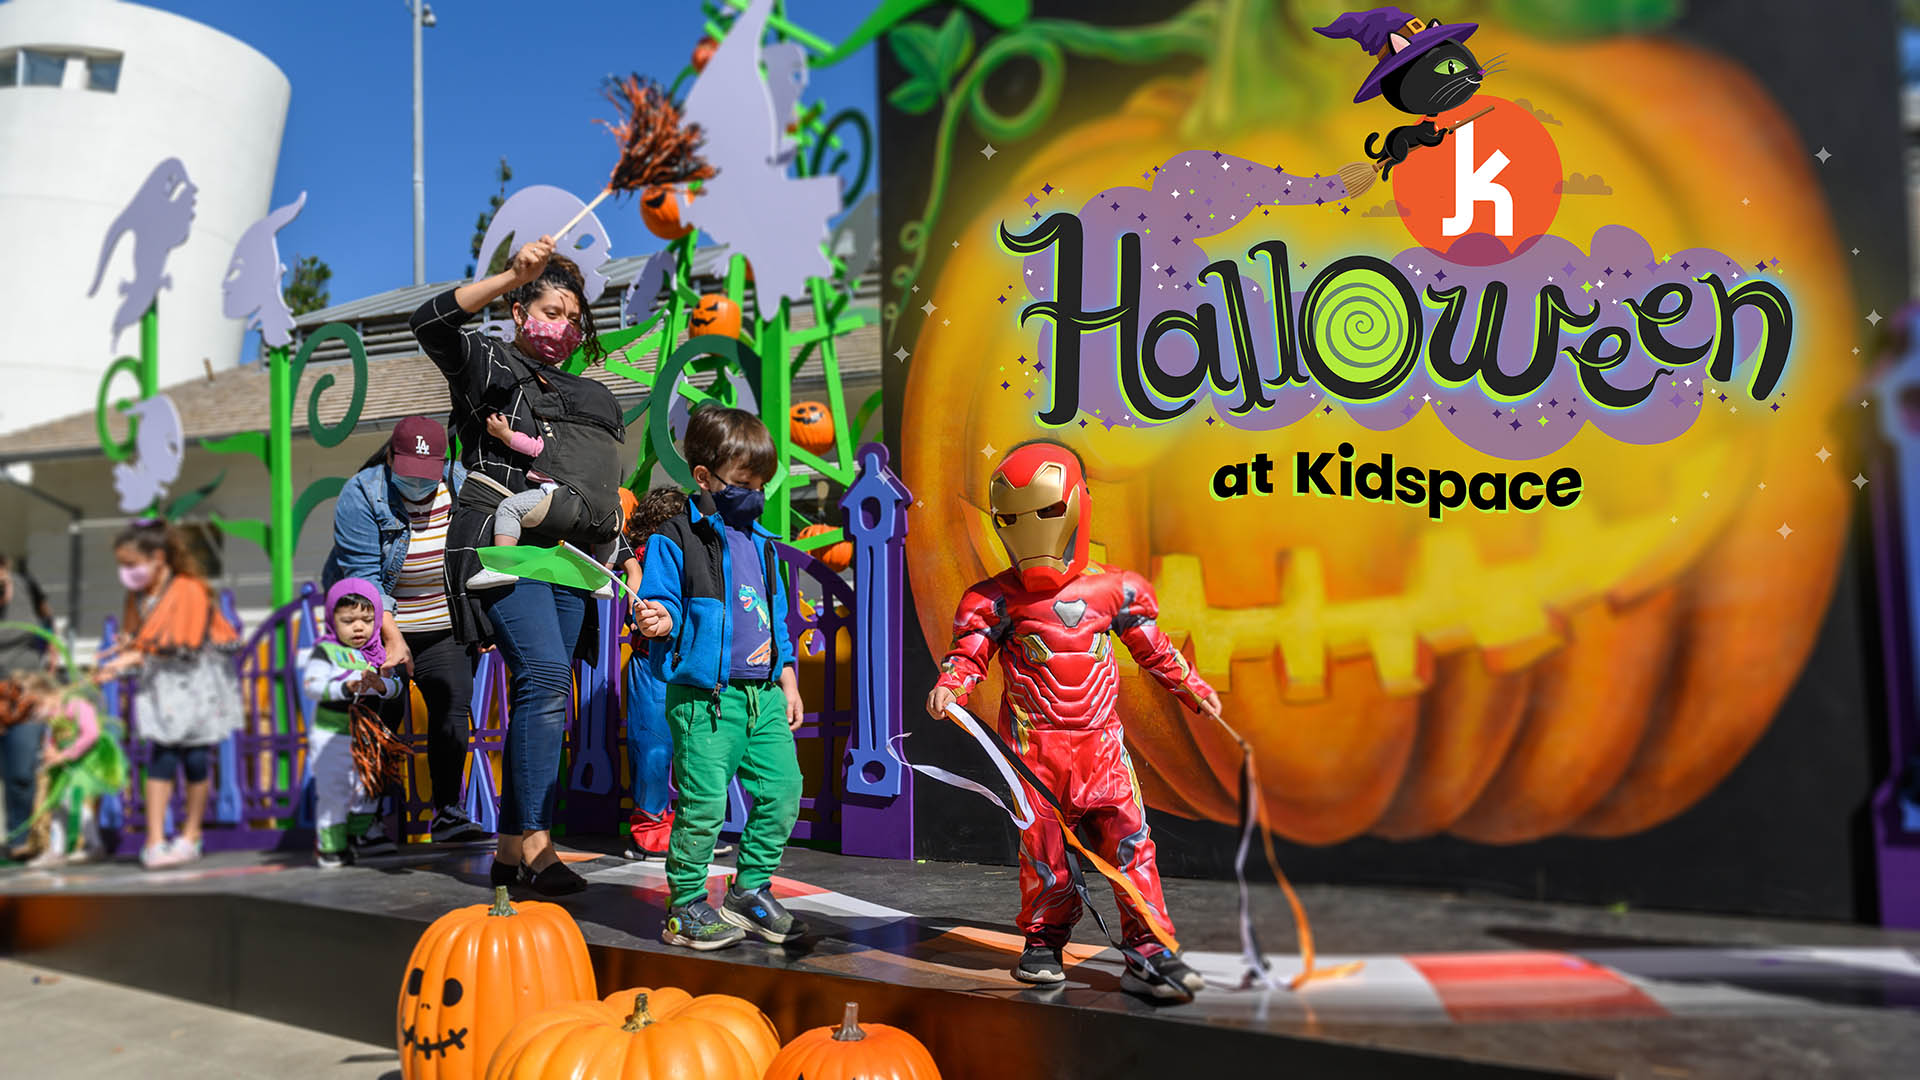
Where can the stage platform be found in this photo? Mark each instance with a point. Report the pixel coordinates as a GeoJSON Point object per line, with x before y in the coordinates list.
{"type": "Point", "coordinates": [1452, 985]}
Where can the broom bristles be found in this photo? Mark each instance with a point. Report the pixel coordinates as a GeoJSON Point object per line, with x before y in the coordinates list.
{"type": "Point", "coordinates": [1358, 177]}
{"type": "Point", "coordinates": [655, 147]}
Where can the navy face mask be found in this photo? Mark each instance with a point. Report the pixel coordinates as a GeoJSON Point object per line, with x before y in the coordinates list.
{"type": "Point", "coordinates": [739, 507]}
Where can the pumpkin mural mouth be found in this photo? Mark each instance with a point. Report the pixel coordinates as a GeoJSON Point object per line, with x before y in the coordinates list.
{"type": "Point", "coordinates": [455, 1040]}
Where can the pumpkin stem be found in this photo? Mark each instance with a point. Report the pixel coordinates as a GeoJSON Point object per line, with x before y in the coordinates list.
{"type": "Point", "coordinates": [850, 1025]}
{"type": "Point", "coordinates": [1243, 81]}
{"type": "Point", "coordinates": [640, 1017]}
{"type": "Point", "coordinates": [500, 904]}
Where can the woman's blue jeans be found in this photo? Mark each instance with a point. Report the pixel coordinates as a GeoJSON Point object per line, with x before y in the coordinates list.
{"type": "Point", "coordinates": [536, 626]}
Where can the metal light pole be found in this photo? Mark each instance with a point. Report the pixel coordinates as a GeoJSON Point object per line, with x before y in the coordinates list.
{"type": "Point", "coordinates": [422, 18]}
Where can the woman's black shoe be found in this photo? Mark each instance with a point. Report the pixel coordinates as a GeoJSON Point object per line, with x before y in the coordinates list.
{"type": "Point", "coordinates": [555, 880]}
{"type": "Point", "coordinates": [502, 873]}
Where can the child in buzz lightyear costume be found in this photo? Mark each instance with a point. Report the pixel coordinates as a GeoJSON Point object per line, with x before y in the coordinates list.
{"type": "Point", "coordinates": [342, 671]}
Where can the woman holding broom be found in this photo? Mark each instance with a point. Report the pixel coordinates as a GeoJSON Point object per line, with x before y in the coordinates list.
{"type": "Point", "coordinates": [495, 387]}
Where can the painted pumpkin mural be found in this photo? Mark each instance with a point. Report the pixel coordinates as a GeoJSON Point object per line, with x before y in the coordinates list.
{"type": "Point", "coordinates": [1501, 677]}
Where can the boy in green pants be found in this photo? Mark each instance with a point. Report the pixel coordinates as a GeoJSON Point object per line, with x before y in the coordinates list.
{"type": "Point", "coordinates": [712, 603]}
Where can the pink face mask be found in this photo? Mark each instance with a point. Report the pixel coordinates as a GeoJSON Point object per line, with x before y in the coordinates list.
{"type": "Point", "coordinates": [551, 341]}
{"type": "Point", "coordinates": [136, 577]}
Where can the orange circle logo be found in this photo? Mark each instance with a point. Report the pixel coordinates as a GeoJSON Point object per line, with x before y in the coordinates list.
{"type": "Point", "coordinates": [1497, 177]}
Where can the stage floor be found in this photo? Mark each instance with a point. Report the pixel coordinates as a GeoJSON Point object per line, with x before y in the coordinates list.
{"type": "Point", "coordinates": [1544, 987]}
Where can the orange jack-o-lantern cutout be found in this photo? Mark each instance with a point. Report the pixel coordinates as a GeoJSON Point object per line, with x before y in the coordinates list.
{"type": "Point", "coordinates": [837, 556]}
{"type": "Point", "coordinates": [853, 1050]}
{"type": "Point", "coordinates": [475, 973]}
{"type": "Point", "coordinates": [716, 314]}
{"type": "Point", "coordinates": [660, 211]}
{"type": "Point", "coordinates": [702, 52]}
{"type": "Point", "coordinates": [641, 1034]}
{"type": "Point", "coordinates": [811, 425]}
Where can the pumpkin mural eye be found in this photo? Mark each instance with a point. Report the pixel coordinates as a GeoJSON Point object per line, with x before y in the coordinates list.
{"type": "Point", "coordinates": [1450, 66]}
{"type": "Point", "coordinates": [413, 982]}
{"type": "Point", "coordinates": [450, 994]}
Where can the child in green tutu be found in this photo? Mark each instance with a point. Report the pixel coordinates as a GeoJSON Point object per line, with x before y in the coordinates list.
{"type": "Point", "coordinates": [80, 761]}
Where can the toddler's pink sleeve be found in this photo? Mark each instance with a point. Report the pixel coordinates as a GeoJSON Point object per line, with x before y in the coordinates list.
{"type": "Point", "coordinates": [89, 724]}
{"type": "Point", "coordinates": [522, 443]}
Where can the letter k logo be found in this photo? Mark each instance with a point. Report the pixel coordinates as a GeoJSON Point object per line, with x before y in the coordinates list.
{"type": "Point", "coordinates": [1473, 185]}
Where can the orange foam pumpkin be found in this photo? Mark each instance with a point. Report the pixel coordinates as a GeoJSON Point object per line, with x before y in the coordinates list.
{"type": "Point", "coordinates": [836, 556]}
{"type": "Point", "coordinates": [640, 1034]}
{"type": "Point", "coordinates": [660, 211]}
{"type": "Point", "coordinates": [1502, 677]}
{"type": "Point", "coordinates": [811, 425]}
{"type": "Point", "coordinates": [716, 314]}
{"type": "Point", "coordinates": [854, 1052]}
{"type": "Point", "coordinates": [476, 972]}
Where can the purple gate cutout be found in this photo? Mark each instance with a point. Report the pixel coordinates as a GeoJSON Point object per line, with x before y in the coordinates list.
{"type": "Point", "coordinates": [858, 798]}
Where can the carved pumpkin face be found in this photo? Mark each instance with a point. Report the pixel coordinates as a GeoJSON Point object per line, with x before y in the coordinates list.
{"type": "Point", "coordinates": [716, 314]}
{"type": "Point", "coordinates": [467, 983]}
{"type": "Point", "coordinates": [1501, 677]}
{"type": "Point", "coordinates": [660, 211]}
{"type": "Point", "coordinates": [811, 426]}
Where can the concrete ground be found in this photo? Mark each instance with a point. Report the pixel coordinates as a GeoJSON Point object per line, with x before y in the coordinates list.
{"type": "Point", "coordinates": [62, 1026]}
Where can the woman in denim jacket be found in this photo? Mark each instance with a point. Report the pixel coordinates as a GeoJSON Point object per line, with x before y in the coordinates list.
{"type": "Point", "coordinates": [390, 528]}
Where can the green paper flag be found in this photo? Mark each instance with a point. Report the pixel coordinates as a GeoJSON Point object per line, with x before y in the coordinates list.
{"type": "Point", "coordinates": [562, 565]}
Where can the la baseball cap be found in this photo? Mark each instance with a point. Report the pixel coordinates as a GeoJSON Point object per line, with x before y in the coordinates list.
{"type": "Point", "coordinates": [419, 448]}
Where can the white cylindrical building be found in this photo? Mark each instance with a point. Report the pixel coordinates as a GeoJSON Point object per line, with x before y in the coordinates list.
{"type": "Point", "coordinates": [93, 95]}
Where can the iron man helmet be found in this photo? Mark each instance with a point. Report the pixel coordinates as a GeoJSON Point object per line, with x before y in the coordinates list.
{"type": "Point", "coordinates": [1042, 511]}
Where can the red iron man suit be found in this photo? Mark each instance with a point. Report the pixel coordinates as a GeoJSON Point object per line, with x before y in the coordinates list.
{"type": "Point", "coordinates": [1049, 619]}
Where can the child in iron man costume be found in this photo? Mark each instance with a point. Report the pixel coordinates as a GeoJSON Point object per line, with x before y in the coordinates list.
{"type": "Point", "coordinates": [1048, 617]}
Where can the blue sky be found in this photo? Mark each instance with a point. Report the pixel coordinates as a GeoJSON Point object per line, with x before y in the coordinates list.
{"type": "Point", "coordinates": [517, 79]}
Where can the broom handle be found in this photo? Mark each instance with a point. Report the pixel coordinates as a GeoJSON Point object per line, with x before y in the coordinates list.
{"type": "Point", "coordinates": [1455, 126]}
{"type": "Point", "coordinates": [588, 209]}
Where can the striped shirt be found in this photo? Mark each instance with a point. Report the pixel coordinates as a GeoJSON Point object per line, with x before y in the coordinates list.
{"type": "Point", "coordinates": [420, 592]}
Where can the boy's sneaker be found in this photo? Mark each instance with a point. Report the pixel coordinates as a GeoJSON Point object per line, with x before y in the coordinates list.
{"type": "Point", "coordinates": [374, 842]}
{"type": "Point", "coordinates": [452, 826]}
{"type": "Point", "coordinates": [757, 912]}
{"type": "Point", "coordinates": [490, 579]}
{"type": "Point", "coordinates": [1040, 965]}
{"type": "Point", "coordinates": [698, 926]}
{"type": "Point", "coordinates": [332, 860]}
{"type": "Point", "coordinates": [1161, 975]}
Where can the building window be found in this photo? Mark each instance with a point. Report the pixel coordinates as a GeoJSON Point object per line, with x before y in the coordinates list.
{"type": "Point", "coordinates": [9, 63]}
{"type": "Point", "coordinates": [42, 68]}
{"type": "Point", "coordinates": [103, 73]}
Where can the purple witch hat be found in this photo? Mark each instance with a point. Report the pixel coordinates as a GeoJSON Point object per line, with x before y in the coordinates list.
{"type": "Point", "coordinates": [1394, 37]}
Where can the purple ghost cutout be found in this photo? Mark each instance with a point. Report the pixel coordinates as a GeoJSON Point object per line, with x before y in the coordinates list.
{"type": "Point", "coordinates": [636, 304]}
{"type": "Point", "coordinates": [159, 218]}
{"type": "Point", "coordinates": [158, 446]}
{"type": "Point", "coordinates": [778, 222]}
{"type": "Point", "coordinates": [527, 215]}
{"type": "Point", "coordinates": [251, 289]}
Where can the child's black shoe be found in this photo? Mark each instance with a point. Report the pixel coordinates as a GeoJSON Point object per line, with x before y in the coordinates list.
{"type": "Point", "coordinates": [698, 926]}
{"type": "Point", "coordinates": [1040, 965]}
{"type": "Point", "coordinates": [332, 860]}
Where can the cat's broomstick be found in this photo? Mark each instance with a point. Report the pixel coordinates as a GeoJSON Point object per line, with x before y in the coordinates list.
{"type": "Point", "coordinates": [1359, 176]}
{"type": "Point", "coordinates": [654, 147]}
